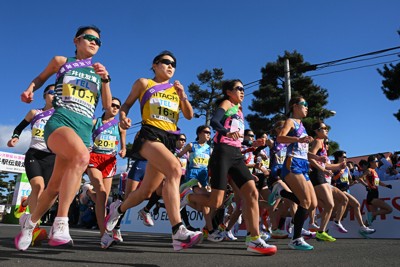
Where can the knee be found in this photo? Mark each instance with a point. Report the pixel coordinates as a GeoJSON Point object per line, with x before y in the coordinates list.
{"type": "Point", "coordinates": [345, 201]}
{"type": "Point", "coordinates": [80, 159]}
{"type": "Point", "coordinates": [307, 204]}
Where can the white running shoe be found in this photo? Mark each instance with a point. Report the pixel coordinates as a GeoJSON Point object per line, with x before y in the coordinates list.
{"type": "Point", "coordinates": [215, 236]}
{"type": "Point", "coordinates": [313, 227]}
{"type": "Point", "coordinates": [265, 235]}
{"type": "Point", "coordinates": [107, 241]}
{"type": "Point", "coordinates": [229, 236]}
{"type": "Point", "coordinates": [117, 235]}
{"type": "Point", "coordinates": [185, 197]}
{"type": "Point", "coordinates": [307, 234]}
{"type": "Point", "coordinates": [340, 227]}
{"type": "Point", "coordinates": [184, 238]}
{"type": "Point", "coordinates": [275, 193]}
{"type": "Point", "coordinates": [279, 234]}
{"type": "Point", "coordinates": [146, 217]}
{"type": "Point", "coordinates": [367, 230]}
{"type": "Point", "coordinates": [59, 234]}
{"type": "Point", "coordinates": [113, 216]}
{"type": "Point", "coordinates": [259, 246]}
{"type": "Point", "coordinates": [23, 240]}
{"type": "Point", "coordinates": [84, 198]}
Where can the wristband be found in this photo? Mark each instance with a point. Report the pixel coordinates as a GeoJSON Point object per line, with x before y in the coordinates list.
{"type": "Point", "coordinates": [15, 136]}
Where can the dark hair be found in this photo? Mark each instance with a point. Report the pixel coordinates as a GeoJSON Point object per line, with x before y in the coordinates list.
{"type": "Point", "coordinates": [246, 131]}
{"type": "Point", "coordinates": [292, 102]}
{"type": "Point", "coordinates": [227, 85]}
{"type": "Point", "coordinates": [116, 98]}
{"type": "Point", "coordinates": [200, 129]}
{"type": "Point", "coordinates": [372, 158]}
{"type": "Point", "coordinates": [363, 162]}
{"type": "Point", "coordinates": [163, 53]}
{"type": "Point", "coordinates": [82, 29]}
{"type": "Point", "coordinates": [47, 89]}
{"type": "Point", "coordinates": [338, 154]}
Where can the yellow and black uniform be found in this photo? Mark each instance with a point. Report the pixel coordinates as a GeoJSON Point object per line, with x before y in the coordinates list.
{"type": "Point", "coordinates": [160, 115]}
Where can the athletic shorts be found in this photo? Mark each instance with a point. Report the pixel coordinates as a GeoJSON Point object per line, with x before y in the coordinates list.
{"type": "Point", "coordinates": [274, 175]}
{"type": "Point", "coordinates": [261, 180]}
{"type": "Point", "coordinates": [63, 117]}
{"type": "Point", "coordinates": [200, 174]}
{"type": "Point", "coordinates": [39, 163]}
{"type": "Point", "coordinates": [151, 133]}
{"type": "Point", "coordinates": [371, 195]}
{"type": "Point", "coordinates": [136, 173]}
{"type": "Point", "coordinates": [317, 177]}
{"type": "Point", "coordinates": [295, 166]}
{"type": "Point", "coordinates": [107, 164]}
{"type": "Point", "coordinates": [225, 160]}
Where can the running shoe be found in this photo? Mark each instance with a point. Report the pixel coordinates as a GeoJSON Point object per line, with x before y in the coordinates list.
{"type": "Point", "coordinates": [259, 246]}
{"type": "Point", "coordinates": [265, 235]}
{"type": "Point", "coordinates": [275, 194]}
{"type": "Point", "coordinates": [221, 227]}
{"type": "Point", "coordinates": [307, 234]}
{"type": "Point", "coordinates": [365, 231]}
{"type": "Point", "coordinates": [229, 235]}
{"type": "Point", "coordinates": [205, 232]}
{"type": "Point", "coordinates": [184, 238]}
{"type": "Point", "coordinates": [84, 198]}
{"type": "Point", "coordinates": [59, 234]}
{"type": "Point", "coordinates": [113, 216]}
{"type": "Point", "coordinates": [340, 227]}
{"type": "Point", "coordinates": [146, 217]}
{"type": "Point", "coordinates": [228, 200]}
{"type": "Point", "coordinates": [300, 244]}
{"type": "Point", "coordinates": [21, 209]}
{"type": "Point", "coordinates": [117, 235]}
{"type": "Point", "coordinates": [24, 238]}
{"type": "Point", "coordinates": [313, 227]}
{"type": "Point", "coordinates": [323, 236]}
{"type": "Point", "coordinates": [38, 236]}
{"type": "Point", "coordinates": [188, 184]}
{"type": "Point", "coordinates": [185, 197]}
{"type": "Point", "coordinates": [216, 236]}
{"type": "Point", "coordinates": [107, 241]}
{"type": "Point", "coordinates": [279, 234]}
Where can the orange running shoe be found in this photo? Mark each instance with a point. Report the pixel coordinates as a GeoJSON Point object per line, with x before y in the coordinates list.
{"type": "Point", "coordinates": [38, 236]}
{"type": "Point", "coordinates": [21, 209]}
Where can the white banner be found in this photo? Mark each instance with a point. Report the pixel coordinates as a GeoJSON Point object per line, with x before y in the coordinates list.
{"type": "Point", "coordinates": [10, 162]}
{"type": "Point", "coordinates": [387, 226]}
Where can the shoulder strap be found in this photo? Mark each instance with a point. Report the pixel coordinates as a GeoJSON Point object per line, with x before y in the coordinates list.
{"type": "Point", "coordinates": [73, 65]}
{"type": "Point", "coordinates": [103, 128]}
{"type": "Point", "coordinates": [42, 115]}
{"type": "Point", "coordinates": [151, 91]}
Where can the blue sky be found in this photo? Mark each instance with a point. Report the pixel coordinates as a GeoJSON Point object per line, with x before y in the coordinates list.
{"type": "Point", "coordinates": [238, 36]}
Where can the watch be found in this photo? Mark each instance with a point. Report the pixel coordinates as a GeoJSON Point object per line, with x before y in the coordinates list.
{"type": "Point", "coordinates": [106, 80]}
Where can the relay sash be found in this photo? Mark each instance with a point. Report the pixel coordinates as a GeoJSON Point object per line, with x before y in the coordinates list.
{"type": "Point", "coordinates": [73, 65]}
{"type": "Point", "coordinates": [103, 128]}
{"type": "Point", "coordinates": [42, 115]}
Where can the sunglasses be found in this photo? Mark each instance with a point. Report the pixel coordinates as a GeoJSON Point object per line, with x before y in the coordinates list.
{"type": "Point", "coordinates": [168, 62]}
{"type": "Point", "coordinates": [239, 88]}
{"type": "Point", "coordinates": [50, 92]}
{"type": "Point", "coordinates": [115, 106]}
{"type": "Point", "coordinates": [250, 135]}
{"type": "Point", "coordinates": [323, 128]}
{"type": "Point", "coordinates": [303, 103]}
{"type": "Point", "coordinates": [207, 132]}
{"type": "Point", "coordinates": [182, 139]}
{"type": "Point", "coordinates": [90, 38]}
{"type": "Point", "coordinates": [344, 157]}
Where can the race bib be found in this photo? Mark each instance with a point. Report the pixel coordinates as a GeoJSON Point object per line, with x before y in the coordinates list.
{"type": "Point", "coordinates": [376, 180]}
{"type": "Point", "coordinates": [200, 162]}
{"type": "Point", "coordinates": [164, 109]}
{"type": "Point", "coordinates": [106, 143]}
{"type": "Point", "coordinates": [38, 134]}
{"type": "Point", "coordinates": [79, 90]}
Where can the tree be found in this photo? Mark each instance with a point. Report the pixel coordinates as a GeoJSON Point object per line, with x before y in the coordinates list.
{"type": "Point", "coordinates": [268, 104]}
{"type": "Point", "coordinates": [391, 83]}
{"type": "Point", "coordinates": [203, 100]}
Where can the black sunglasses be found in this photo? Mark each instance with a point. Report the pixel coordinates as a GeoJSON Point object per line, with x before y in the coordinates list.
{"type": "Point", "coordinates": [250, 135]}
{"type": "Point", "coordinates": [207, 132]}
{"type": "Point", "coordinates": [182, 139]}
{"type": "Point", "coordinates": [115, 106]}
{"type": "Point", "coordinates": [168, 62]}
{"type": "Point", "coordinates": [239, 88]}
{"type": "Point", "coordinates": [90, 38]}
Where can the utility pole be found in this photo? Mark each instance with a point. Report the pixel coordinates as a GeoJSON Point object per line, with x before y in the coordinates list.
{"type": "Point", "coordinates": [288, 90]}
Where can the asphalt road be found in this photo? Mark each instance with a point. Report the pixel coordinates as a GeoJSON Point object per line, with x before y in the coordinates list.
{"type": "Point", "coordinates": [141, 249]}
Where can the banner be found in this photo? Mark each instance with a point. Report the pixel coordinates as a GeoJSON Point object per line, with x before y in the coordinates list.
{"type": "Point", "coordinates": [10, 162]}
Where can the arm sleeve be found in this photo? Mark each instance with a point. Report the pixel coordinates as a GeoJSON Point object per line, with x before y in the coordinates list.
{"type": "Point", "coordinates": [18, 130]}
{"type": "Point", "coordinates": [216, 121]}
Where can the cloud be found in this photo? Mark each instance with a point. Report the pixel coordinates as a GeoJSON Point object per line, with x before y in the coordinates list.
{"type": "Point", "coordinates": [23, 144]}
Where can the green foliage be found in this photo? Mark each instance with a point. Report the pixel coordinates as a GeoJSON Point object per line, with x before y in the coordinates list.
{"type": "Point", "coordinates": [203, 99]}
{"type": "Point", "coordinates": [268, 105]}
{"type": "Point", "coordinates": [391, 83]}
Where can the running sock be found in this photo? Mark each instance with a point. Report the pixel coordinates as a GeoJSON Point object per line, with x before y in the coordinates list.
{"type": "Point", "coordinates": [281, 223]}
{"type": "Point", "coordinates": [152, 201]}
{"type": "Point", "coordinates": [184, 216]}
{"type": "Point", "coordinates": [290, 196]}
{"type": "Point", "coordinates": [299, 219]}
{"type": "Point", "coordinates": [117, 226]}
{"type": "Point", "coordinates": [176, 227]}
{"type": "Point", "coordinates": [119, 210]}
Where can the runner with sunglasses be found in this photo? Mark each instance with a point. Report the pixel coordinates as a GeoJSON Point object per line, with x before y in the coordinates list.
{"type": "Point", "coordinates": [107, 136]}
{"type": "Point", "coordinates": [39, 161]}
{"type": "Point", "coordinates": [227, 159]}
{"type": "Point", "coordinates": [79, 84]}
{"type": "Point", "coordinates": [160, 103]}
